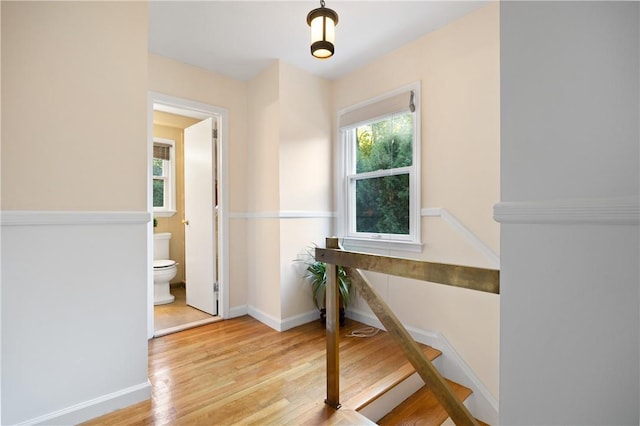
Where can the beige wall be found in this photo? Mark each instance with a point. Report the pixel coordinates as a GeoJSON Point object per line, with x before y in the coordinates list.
{"type": "Point", "coordinates": [171, 126]}
{"type": "Point", "coordinates": [263, 192]}
{"type": "Point", "coordinates": [56, 152]}
{"type": "Point", "coordinates": [305, 177]}
{"type": "Point", "coordinates": [458, 67]}
{"type": "Point", "coordinates": [264, 140]}
{"type": "Point", "coordinates": [305, 144]}
{"type": "Point", "coordinates": [188, 82]}
{"type": "Point", "coordinates": [289, 171]}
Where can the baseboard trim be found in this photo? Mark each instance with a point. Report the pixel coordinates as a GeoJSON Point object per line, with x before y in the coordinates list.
{"type": "Point", "coordinates": [238, 311]}
{"type": "Point", "coordinates": [284, 324]}
{"type": "Point", "coordinates": [264, 318]}
{"type": "Point", "coordinates": [605, 211]}
{"type": "Point", "coordinates": [481, 403]}
{"type": "Point", "coordinates": [297, 320]}
{"type": "Point", "coordinates": [35, 218]}
{"type": "Point", "coordinates": [95, 407]}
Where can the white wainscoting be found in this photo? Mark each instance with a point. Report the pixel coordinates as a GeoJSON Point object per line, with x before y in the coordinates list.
{"type": "Point", "coordinates": [74, 305]}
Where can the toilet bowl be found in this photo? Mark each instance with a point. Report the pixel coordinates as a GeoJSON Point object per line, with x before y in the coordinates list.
{"type": "Point", "coordinates": [164, 269]}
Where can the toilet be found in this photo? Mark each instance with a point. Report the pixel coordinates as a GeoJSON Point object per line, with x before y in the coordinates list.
{"type": "Point", "coordinates": [164, 269]}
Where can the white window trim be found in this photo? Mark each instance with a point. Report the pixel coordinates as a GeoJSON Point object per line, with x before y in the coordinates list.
{"type": "Point", "coordinates": [412, 242]}
{"type": "Point", "coordinates": [169, 208]}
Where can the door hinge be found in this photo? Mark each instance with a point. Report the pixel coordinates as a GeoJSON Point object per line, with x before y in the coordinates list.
{"type": "Point", "coordinates": [214, 133]}
{"type": "Point", "coordinates": [215, 287]}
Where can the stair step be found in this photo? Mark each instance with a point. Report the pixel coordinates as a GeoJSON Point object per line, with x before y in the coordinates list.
{"type": "Point", "coordinates": [374, 391]}
{"type": "Point", "coordinates": [422, 408]}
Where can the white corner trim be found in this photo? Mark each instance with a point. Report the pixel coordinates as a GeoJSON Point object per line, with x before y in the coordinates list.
{"type": "Point", "coordinates": [34, 218]}
{"type": "Point", "coordinates": [465, 232]}
{"type": "Point", "coordinates": [451, 365]}
{"type": "Point", "coordinates": [606, 211]}
{"type": "Point", "coordinates": [283, 214]}
{"type": "Point", "coordinates": [95, 407]}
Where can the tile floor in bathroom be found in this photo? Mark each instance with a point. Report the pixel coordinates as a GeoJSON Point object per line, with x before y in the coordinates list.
{"type": "Point", "coordinates": [178, 315]}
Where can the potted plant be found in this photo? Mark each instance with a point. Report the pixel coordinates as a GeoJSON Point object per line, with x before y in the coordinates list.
{"type": "Point", "coordinates": [316, 276]}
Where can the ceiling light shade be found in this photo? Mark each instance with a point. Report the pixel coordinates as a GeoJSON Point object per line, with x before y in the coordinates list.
{"type": "Point", "coordinates": [323, 23]}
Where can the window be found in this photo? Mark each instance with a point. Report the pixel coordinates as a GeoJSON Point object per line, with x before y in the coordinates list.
{"type": "Point", "coordinates": [379, 203]}
{"type": "Point", "coordinates": [163, 177]}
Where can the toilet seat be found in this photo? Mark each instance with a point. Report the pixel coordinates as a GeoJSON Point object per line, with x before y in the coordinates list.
{"type": "Point", "coordinates": [163, 263]}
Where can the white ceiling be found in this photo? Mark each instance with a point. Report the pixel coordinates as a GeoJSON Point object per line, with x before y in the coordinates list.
{"type": "Point", "coordinates": [241, 38]}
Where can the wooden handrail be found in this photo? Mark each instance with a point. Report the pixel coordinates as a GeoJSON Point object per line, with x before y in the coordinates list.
{"type": "Point", "coordinates": [481, 279]}
{"type": "Point", "coordinates": [487, 280]}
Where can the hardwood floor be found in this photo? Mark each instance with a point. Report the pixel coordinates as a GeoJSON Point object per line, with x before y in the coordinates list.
{"type": "Point", "coordinates": [178, 315]}
{"type": "Point", "coordinates": [240, 371]}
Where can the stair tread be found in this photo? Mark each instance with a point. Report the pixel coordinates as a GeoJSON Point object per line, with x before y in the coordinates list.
{"type": "Point", "coordinates": [422, 408]}
{"type": "Point", "coordinates": [373, 391]}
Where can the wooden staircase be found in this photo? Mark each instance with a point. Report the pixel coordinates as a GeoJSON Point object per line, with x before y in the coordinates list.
{"type": "Point", "coordinates": [448, 398]}
{"type": "Point", "coordinates": [422, 408]}
{"type": "Point", "coordinates": [400, 397]}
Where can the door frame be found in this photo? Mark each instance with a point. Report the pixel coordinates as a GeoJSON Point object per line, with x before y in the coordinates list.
{"type": "Point", "coordinates": [189, 108]}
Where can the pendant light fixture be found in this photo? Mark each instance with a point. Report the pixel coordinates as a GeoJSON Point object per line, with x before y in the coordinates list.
{"type": "Point", "coordinates": [323, 23]}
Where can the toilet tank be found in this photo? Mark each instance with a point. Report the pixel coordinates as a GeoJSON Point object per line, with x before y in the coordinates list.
{"type": "Point", "coordinates": [161, 245]}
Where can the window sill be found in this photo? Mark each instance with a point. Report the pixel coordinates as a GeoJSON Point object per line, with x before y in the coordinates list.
{"type": "Point", "coordinates": [395, 245]}
{"type": "Point", "coordinates": [163, 213]}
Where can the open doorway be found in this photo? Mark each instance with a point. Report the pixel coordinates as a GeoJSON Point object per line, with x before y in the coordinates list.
{"type": "Point", "coordinates": [192, 218]}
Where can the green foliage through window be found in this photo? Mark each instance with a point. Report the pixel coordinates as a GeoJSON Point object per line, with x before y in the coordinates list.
{"type": "Point", "coordinates": [382, 202]}
{"type": "Point", "coordinates": [385, 144]}
{"type": "Point", "coordinates": [382, 205]}
{"type": "Point", "coordinates": [158, 193]}
{"type": "Point", "coordinates": [158, 167]}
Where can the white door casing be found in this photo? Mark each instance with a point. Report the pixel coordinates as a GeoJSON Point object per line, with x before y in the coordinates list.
{"type": "Point", "coordinates": [189, 108]}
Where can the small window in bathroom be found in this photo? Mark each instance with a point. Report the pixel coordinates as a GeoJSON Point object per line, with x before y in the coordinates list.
{"type": "Point", "coordinates": [163, 171]}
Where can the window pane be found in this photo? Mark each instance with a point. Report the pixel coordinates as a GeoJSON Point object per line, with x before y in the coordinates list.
{"type": "Point", "coordinates": [158, 193]}
{"type": "Point", "coordinates": [158, 166]}
{"type": "Point", "coordinates": [385, 144]}
{"type": "Point", "coordinates": [382, 205]}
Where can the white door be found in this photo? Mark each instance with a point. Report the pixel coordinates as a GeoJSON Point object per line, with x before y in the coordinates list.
{"type": "Point", "coordinates": [199, 210]}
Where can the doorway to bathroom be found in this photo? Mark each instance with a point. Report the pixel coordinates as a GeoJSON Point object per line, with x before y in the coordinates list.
{"type": "Point", "coordinates": [187, 198]}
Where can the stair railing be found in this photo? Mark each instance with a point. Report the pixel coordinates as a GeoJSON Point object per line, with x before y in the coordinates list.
{"type": "Point", "coordinates": [487, 280]}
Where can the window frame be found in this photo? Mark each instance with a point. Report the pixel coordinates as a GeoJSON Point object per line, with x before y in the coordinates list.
{"type": "Point", "coordinates": [347, 178]}
{"type": "Point", "coordinates": [169, 170]}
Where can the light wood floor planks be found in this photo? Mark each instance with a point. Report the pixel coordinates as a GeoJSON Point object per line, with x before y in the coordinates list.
{"type": "Point", "coordinates": [240, 371]}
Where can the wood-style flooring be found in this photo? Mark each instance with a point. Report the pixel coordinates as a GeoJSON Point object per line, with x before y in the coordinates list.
{"type": "Point", "coordinates": [178, 316]}
{"type": "Point", "coordinates": [240, 371]}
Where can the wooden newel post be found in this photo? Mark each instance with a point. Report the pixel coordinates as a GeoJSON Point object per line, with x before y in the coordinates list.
{"type": "Point", "coordinates": [333, 330]}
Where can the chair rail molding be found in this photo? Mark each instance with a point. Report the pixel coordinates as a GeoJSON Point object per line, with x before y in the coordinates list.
{"type": "Point", "coordinates": [283, 214]}
{"type": "Point", "coordinates": [596, 211]}
{"type": "Point", "coordinates": [43, 217]}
